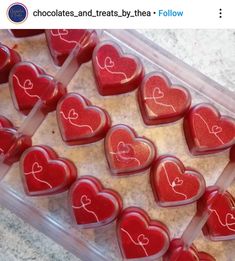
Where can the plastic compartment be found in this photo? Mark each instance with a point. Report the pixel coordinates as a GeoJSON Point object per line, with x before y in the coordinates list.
{"type": "Point", "coordinates": [50, 215]}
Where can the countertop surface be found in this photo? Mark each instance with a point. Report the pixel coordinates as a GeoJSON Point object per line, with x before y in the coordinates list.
{"type": "Point", "coordinates": [210, 51]}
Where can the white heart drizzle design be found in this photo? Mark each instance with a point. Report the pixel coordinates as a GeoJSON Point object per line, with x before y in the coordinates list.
{"type": "Point", "coordinates": [85, 201]}
{"type": "Point", "coordinates": [61, 33]}
{"type": "Point", "coordinates": [215, 129]}
{"type": "Point", "coordinates": [232, 217]}
{"type": "Point", "coordinates": [108, 64]}
{"type": "Point", "coordinates": [226, 224]}
{"type": "Point", "coordinates": [174, 183]}
{"type": "Point", "coordinates": [27, 85]}
{"type": "Point", "coordinates": [37, 168]}
{"type": "Point", "coordinates": [142, 240]}
{"type": "Point", "coordinates": [73, 115]}
{"type": "Point", "coordinates": [120, 154]}
{"type": "Point", "coordinates": [158, 94]}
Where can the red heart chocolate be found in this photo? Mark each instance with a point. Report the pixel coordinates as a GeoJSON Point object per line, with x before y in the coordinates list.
{"type": "Point", "coordinates": [5, 123]}
{"type": "Point", "coordinates": [221, 222]}
{"type": "Point", "coordinates": [92, 205]}
{"type": "Point", "coordinates": [79, 121]}
{"type": "Point", "coordinates": [173, 184]}
{"type": "Point", "coordinates": [12, 145]}
{"type": "Point", "coordinates": [206, 131]}
{"type": "Point", "coordinates": [29, 83]}
{"type": "Point", "coordinates": [114, 71]}
{"type": "Point", "coordinates": [8, 58]}
{"type": "Point", "coordinates": [26, 32]}
{"type": "Point", "coordinates": [44, 173]}
{"type": "Point", "coordinates": [177, 252]}
{"type": "Point", "coordinates": [160, 102]}
{"type": "Point", "coordinates": [127, 153]}
{"type": "Point", "coordinates": [139, 237]}
{"type": "Point", "coordinates": [62, 41]}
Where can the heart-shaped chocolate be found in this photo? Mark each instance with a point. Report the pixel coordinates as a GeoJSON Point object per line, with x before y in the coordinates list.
{"type": "Point", "coordinates": [8, 58]}
{"type": "Point", "coordinates": [173, 184]}
{"type": "Point", "coordinates": [114, 71]}
{"type": "Point", "coordinates": [26, 32]}
{"type": "Point", "coordinates": [160, 102]}
{"type": "Point", "coordinates": [29, 83]}
{"type": "Point", "coordinates": [221, 222]}
{"type": "Point", "coordinates": [62, 41]}
{"type": "Point", "coordinates": [206, 131]}
{"type": "Point", "coordinates": [44, 173]}
{"type": "Point", "coordinates": [177, 252]}
{"type": "Point", "coordinates": [79, 121]}
{"type": "Point", "coordinates": [127, 153]}
{"type": "Point", "coordinates": [12, 145]}
{"type": "Point", "coordinates": [91, 204]}
{"type": "Point", "coordinates": [139, 237]}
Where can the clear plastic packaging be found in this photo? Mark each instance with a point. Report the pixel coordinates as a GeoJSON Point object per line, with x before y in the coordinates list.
{"type": "Point", "coordinates": [50, 214]}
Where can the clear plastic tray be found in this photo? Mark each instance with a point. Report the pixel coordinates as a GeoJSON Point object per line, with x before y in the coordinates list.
{"type": "Point", "coordinates": [50, 215]}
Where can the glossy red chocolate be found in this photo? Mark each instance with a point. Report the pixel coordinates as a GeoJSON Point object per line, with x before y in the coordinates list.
{"type": "Point", "coordinates": [139, 237]}
{"type": "Point", "coordinates": [177, 252]}
{"type": "Point", "coordinates": [92, 205]}
{"type": "Point", "coordinates": [44, 173]}
{"type": "Point", "coordinates": [26, 32]}
{"type": "Point", "coordinates": [11, 146]}
{"type": "Point", "coordinates": [79, 121]}
{"type": "Point", "coordinates": [173, 184]}
{"type": "Point", "coordinates": [114, 71]}
{"type": "Point", "coordinates": [127, 153]}
{"type": "Point", "coordinates": [206, 131]}
{"type": "Point", "coordinates": [29, 83]}
{"type": "Point", "coordinates": [160, 101]}
{"type": "Point", "coordinates": [8, 58]}
{"type": "Point", "coordinates": [221, 223]}
{"type": "Point", "coordinates": [62, 41]}
{"type": "Point", "coordinates": [5, 123]}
